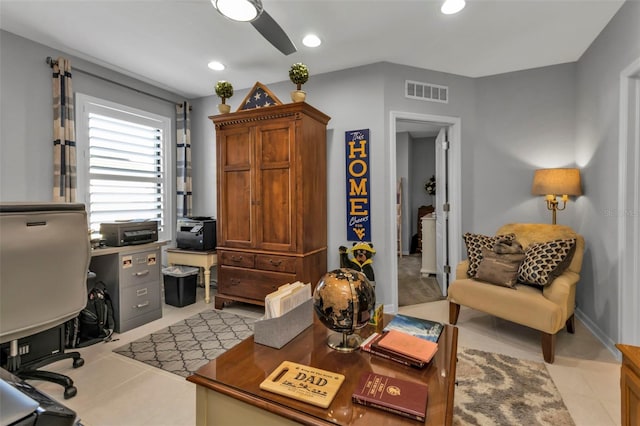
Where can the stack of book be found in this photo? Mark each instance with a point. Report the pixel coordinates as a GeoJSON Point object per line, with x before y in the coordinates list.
{"type": "Point", "coordinates": [407, 340]}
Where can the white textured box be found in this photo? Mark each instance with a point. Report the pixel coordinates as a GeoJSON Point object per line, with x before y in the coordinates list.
{"type": "Point", "coordinates": [277, 332]}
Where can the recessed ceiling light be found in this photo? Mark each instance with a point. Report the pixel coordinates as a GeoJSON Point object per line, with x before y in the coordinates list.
{"type": "Point", "coordinates": [452, 6]}
{"type": "Point", "coordinates": [311, 40]}
{"type": "Point", "coordinates": [216, 66]}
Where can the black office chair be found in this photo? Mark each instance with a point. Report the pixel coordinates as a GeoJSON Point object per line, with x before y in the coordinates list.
{"type": "Point", "coordinates": [44, 259]}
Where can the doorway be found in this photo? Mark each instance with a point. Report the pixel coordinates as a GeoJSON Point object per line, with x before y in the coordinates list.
{"type": "Point", "coordinates": [448, 170]}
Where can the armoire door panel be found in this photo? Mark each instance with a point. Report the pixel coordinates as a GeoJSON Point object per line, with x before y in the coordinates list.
{"type": "Point", "coordinates": [276, 185]}
{"type": "Point", "coordinates": [276, 211]}
{"type": "Point", "coordinates": [275, 143]}
{"type": "Point", "coordinates": [236, 210]}
{"type": "Point", "coordinates": [236, 149]}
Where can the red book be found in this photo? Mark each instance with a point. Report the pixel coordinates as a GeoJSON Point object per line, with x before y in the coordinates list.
{"type": "Point", "coordinates": [394, 356]}
{"type": "Point", "coordinates": [407, 345]}
{"type": "Point", "coordinates": [408, 399]}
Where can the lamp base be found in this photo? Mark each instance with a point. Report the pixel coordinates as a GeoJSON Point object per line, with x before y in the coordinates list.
{"type": "Point", "coordinates": [344, 342]}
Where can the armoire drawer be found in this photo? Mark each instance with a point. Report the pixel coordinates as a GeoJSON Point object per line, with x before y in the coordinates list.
{"type": "Point", "coordinates": [238, 259]}
{"type": "Point", "coordinates": [250, 283]}
{"type": "Point", "coordinates": [276, 263]}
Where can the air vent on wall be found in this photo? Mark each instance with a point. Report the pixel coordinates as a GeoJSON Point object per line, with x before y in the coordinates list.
{"type": "Point", "coordinates": [426, 91]}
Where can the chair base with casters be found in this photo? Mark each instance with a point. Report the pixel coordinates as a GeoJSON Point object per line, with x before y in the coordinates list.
{"type": "Point", "coordinates": [24, 357]}
{"type": "Point", "coordinates": [30, 371]}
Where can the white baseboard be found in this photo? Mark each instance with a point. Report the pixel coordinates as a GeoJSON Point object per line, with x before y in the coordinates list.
{"type": "Point", "coordinates": [600, 335]}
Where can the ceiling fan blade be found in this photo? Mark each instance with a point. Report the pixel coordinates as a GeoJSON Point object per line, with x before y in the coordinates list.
{"type": "Point", "coordinates": [274, 34]}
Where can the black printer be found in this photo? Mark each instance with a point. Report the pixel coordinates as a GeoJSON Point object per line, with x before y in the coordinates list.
{"type": "Point", "coordinates": [129, 232]}
{"type": "Point", "coordinates": [196, 233]}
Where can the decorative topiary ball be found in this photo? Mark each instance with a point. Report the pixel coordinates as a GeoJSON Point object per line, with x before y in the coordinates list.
{"type": "Point", "coordinates": [299, 74]}
{"type": "Point", "coordinates": [224, 90]}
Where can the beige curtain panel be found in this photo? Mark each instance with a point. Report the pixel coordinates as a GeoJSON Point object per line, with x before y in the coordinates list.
{"type": "Point", "coordinates": [64, 135]}
{"type": "Point", "coordinates": [183, 160]}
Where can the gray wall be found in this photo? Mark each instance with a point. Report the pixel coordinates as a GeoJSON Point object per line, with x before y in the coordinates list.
{"type": "Point", "coordinates": [597, 80]}
{"type": "Point", "coordinates": [525, 122]}
{"type": "Point", "coordinates": [423, 166]}
{"type": "Point", "coordinates": [511, 124]}
{"type": "Point", "coordinates": [26, 129]}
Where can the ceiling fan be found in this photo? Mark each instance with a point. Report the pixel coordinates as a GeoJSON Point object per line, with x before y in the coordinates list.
{"type": "Point", "coordinates": [252, 11]}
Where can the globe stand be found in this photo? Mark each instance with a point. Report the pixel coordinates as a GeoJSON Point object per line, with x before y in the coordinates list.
{"type": "Point", "coordinates": [345, 342]}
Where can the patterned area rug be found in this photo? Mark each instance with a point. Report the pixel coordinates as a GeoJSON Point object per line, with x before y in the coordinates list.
{"type": "Point", "coordinates": [184, 347]}
{"type": "Point", "coordinates": [496, 389]}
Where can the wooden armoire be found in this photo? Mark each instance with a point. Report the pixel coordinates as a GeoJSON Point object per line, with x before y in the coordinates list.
{"type": "Point", "coordinates": [272, 200]}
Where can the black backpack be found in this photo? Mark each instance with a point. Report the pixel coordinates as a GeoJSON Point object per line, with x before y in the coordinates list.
{"type": "Point", "coordinates": [95, 322]}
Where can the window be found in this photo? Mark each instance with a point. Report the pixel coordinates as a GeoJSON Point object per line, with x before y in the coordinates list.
{"type": "Point", "coordinates": [123, 160]}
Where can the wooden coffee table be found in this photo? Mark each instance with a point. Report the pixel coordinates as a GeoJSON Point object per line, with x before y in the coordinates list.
{"type": "Point", "coordinates": [228, 388]}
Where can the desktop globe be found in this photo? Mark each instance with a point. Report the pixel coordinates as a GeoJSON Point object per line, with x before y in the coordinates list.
{"type": "Point", "coordinates": [343, 301]}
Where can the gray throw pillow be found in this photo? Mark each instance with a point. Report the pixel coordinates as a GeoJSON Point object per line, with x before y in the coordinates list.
{"type": "Point", "coordinates": [499, 269]}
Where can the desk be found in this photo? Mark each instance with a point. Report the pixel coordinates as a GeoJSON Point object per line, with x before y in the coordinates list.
{"type": "Point", "coordinates": [200, 259]}
{"type": "Point", "coordinates": [228, 388]}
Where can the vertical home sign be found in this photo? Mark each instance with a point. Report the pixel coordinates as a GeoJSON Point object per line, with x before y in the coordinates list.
{"type": "Point", "coordinates": [358, 186]}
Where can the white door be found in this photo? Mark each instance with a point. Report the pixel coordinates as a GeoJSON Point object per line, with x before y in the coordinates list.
{"type": "Point", "coordinates": [441, 214]}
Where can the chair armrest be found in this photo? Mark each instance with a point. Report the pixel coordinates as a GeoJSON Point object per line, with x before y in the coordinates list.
{"type": "Point", "coordinates": [562, 291]}
{"type": "Point", "coordinates": [461, 270]}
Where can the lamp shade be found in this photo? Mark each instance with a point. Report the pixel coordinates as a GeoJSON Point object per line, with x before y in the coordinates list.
{"type": "Point", "coordinates": [556, 182]}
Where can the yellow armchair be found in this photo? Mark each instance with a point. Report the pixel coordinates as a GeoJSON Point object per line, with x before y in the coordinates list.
{"type": "Point", "coordinates": [548, 309]}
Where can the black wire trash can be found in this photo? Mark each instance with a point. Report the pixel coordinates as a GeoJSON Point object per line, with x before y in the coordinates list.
{"type": "Point", "coordinates": [180, 285]}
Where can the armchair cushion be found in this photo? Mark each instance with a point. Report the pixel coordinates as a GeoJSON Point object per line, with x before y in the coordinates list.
{"type": "Point", "coordinates": [545, 261]}
{"type": "Point", "coordinates": [475, 243]}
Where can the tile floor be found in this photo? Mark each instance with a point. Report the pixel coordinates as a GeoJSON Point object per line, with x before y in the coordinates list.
{"type": "Point", "coordinates": [115, 390]}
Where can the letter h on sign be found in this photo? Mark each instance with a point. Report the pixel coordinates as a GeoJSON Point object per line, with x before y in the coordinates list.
{"type": "Point", "coordinates": [358, 185]}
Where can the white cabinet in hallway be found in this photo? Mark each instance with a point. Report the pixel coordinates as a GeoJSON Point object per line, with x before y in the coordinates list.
{"type": "Point", "coordinates": [428, 245]}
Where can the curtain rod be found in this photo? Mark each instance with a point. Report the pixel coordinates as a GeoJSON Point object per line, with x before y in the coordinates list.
{"type": "Point", "coordinates": [53, 62]}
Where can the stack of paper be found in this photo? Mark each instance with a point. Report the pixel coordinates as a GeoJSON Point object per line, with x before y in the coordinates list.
{"type": "Point", "coordinates": [285, 299]}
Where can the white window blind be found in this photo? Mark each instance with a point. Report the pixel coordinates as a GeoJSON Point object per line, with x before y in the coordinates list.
{"type": "Point", "coordinates": [125, 176]}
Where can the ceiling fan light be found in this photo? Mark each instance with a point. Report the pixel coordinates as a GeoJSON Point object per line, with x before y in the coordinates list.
{"type": "Point", "coordinates": [449, 7]}
{"type": "Point", "coordinates": [239, 10]}
{"type": "Point", "coordinates": [311, 40]}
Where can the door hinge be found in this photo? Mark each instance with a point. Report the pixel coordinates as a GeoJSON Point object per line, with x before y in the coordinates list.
{"type": "Point", "coordinates": [446, 207]}
{"type": "Point", "coordinates": [445, 145]}
{"type": "Point", "coordinates": [447, 269]}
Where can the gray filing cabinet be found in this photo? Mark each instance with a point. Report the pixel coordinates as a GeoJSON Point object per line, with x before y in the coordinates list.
{"type": "Point", "coordinates": [132, 276]}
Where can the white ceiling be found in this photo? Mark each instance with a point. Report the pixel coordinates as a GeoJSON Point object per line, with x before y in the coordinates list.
{"type": "Point", "coordinates": [169, 42]}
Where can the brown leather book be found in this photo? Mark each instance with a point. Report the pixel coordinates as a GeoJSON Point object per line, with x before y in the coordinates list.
{"type": "Point", "coordinates": [394, 356]}
{"type": "Point", "coordinates": [408, 399]}
{"type": "Point", "coordinates": [407, 345]}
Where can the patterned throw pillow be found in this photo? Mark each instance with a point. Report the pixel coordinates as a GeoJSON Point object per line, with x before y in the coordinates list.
{"type": "Point", "coordinates": [543, 262]}
{"type": "Point", "coordinates": [475, 243]}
